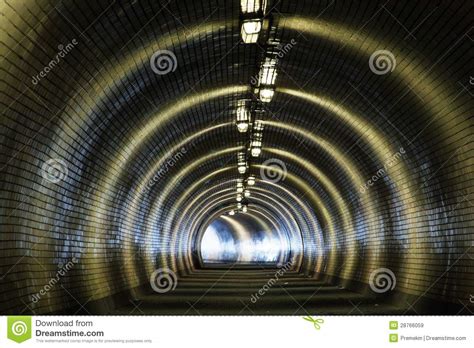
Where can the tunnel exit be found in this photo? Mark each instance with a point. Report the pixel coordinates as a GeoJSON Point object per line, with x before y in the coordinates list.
{"type": "Point", "coordinates": [243, 240]}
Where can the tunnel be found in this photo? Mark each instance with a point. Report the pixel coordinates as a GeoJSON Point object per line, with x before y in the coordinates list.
{"type": "Point", "coordinates": [254, 157]}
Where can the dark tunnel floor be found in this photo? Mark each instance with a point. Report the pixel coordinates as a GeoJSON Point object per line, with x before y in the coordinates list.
{"type": "Point", "coordinates": [217, 292]}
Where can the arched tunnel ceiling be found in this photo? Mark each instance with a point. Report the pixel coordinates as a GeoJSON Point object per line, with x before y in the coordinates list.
{"type": "Point", "coordinates": [119, 145]}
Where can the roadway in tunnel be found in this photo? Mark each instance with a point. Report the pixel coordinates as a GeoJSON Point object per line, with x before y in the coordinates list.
{"type": "Point", "coordinates": [244, 292]}
{"type": "Point", "coordinates": [171, 157]}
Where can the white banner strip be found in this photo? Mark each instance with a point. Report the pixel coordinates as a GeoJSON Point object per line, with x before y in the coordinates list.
{"type": "Point", "coordinates": [223, 331]}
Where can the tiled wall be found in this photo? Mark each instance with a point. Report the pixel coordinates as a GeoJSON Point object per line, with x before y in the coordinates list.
{"type": "Point", "coordinates": [89, 109]}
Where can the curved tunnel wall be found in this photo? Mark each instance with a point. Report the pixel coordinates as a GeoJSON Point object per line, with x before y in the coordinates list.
{"type": "Point", "coordinates": [98, 149]}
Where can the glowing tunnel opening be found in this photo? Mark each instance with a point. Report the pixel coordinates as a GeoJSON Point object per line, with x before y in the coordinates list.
{"type": "Point", "coordinates": [242, 241]}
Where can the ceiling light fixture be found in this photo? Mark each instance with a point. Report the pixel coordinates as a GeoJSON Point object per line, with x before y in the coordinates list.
{"type": "Point", "coordinates": [250, 30]}
{"type": "Point", "coordinates": [242, 127]}
{"type": "Point", "coordinates": [256, 144]}
{"type": "Point", "coordinates": [266, 94]}
{"type": "Point", "coordinates": [241, 163]}
{"type": "Point", "coordinates": [252, 6]}
{"type": "Point", "coordinates": [258, 126]}
{"type": "Point", "coordinates": [240, 186]}
{"type": "Point", "coordinates": [251, 180]}
{"type": "Point", "coordinates": [268, 72]}
{"type": "Point", "coordinates": [242, 119]}
{"type": "Point", "coordinates": [256, 151]}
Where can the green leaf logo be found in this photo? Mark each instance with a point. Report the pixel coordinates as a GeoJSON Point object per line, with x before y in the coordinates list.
{"type": "Point", "coordinates": [19, 328]}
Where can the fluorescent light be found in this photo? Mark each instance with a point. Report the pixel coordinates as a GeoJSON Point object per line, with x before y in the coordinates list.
{"type": "Point", "coordinates": [267, 76]}
{"type": "Point", "coordinates": [253, 6]}
{"type": "Point", "coordinates": [231, 212]}
{"type": "Point", "coordinates": [250, 6]}
{"type": "Point", "coordinates": [258, 126]}
{"type": "Point", "coordinates": [247, 193]}
{"type": "Point", "coordinates": [242, 117]}
{"type": "Point", "coordinates": [256, 145]}
{"type": "Point", "coordinates": [241, 163]}
{"type": "Point", "coordinates": [244, 209]}
{"type": "Point", "coordinates": [242, 127]}
{"type": "Point", "coordinates": [266, 95]}
{"type": "Point", "coordinates": [251, 181]}
{"type": "Point", "coordinates": [256, 152]}
{"type": "Point", "coordinates": [239, 205]}
{"type": "Point", "coordinates": [240, 189]}
{"type": "Point", "coordinates": [268, 72]}
{"type": "Point", "coordinates": [250, 30]}
{"type": "Point", "coordinates": [239, 198]}
{"type": "Point", "coordinates": [242, 113]}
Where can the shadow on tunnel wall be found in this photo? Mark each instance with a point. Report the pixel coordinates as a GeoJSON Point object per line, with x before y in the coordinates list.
{"type": "Point", "coordinates": [331, 141]}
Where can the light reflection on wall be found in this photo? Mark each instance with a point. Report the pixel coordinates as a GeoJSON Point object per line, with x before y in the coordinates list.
{"type": "Point", "coordinates": [242, 239]}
